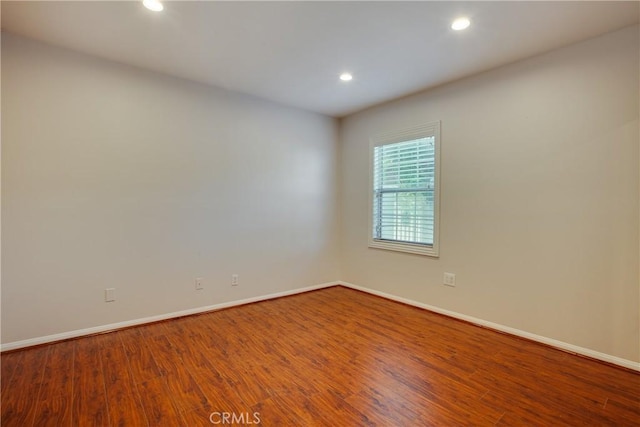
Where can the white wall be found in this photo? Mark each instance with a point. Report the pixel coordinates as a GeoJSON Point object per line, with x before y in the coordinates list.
{"type": "Point", "coordinates": [539, 207]}
{"type": "Point", "coordinates": [118, 177]}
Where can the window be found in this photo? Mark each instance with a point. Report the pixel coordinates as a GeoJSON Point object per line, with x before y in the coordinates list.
{"type": "Point", "coordinates": [405, 190]}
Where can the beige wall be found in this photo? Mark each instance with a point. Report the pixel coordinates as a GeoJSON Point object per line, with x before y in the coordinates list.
{"type": "Point", "coordinates": [539, 207]}
{"type": "Point", "coordinates": [117, 177]}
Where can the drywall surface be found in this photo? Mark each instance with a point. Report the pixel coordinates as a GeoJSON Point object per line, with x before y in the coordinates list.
{"type": "Point", "coordinates": [115, 177]}
{"type": "Point", "coordinates": [539, 205]}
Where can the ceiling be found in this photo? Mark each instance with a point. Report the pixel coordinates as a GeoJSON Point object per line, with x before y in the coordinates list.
{"type": "Point", "coordinates": [293, 52]}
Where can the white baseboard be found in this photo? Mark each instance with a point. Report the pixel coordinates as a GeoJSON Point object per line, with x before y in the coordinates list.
{"type": "Point", "coordinates": [496, 326]}
{"type": "Point", "coordinates": [491, 325]}
{"type": "Point", "coordinates": [120, 325]}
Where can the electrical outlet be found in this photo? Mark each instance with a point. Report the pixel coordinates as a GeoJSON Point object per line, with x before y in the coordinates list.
{"type": "Point", "coordinates": [449, 279]}
{"type": "Point", "coordinates": [235, 280]}
{"type": "Point", "coordinates": [199, 285]}
{"type": "Point", "coordinates": [109, 294]}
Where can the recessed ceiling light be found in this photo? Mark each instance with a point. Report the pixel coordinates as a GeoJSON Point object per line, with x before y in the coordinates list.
{"type": "Point", "coordinates": [154, 5]}
{"type": "Point", "coordinates": [460, 24]}
{"type": "Point", "coordinates": [345, 77]}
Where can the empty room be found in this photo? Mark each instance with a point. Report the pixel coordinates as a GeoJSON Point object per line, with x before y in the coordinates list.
{"type": "Point", "coordinates": [323, 213]}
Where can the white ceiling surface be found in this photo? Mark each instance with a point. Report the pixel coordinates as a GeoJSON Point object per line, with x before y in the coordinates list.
{"type": "Point", "coordinates": [293, 52]}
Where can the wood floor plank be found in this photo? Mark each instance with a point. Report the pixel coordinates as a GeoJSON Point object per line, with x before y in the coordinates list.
{"type": "Point", "coordinates": [517, 383]}
{"type": "Point", "coordinates": [158, 404]}
{"type": "Point", "coordinates": [54, 405]}
{"type": "Point", "coordinates": [197, 418]}
{"type": "Point", "coordinates": [621, 411]}
{"type": "Point", "coordinates": [139, 356]}
{"type": "Point", "coordinates": [182, 386]}
{"type": "Point", "coordinates": [220, 393]}
{"type": "Point", "coordinates": [89, 391]}
{"type": "Point", "coordinates": [124, 404]}
{"type": "Point", "coordinates": [330, 357]}
{"type": "Point", "coordinates": [436, 388]}
{"type": "Point", "coordinates": [271, 413]}
{"type": "Point", "coordinates": [328, 401]}
{"type": "Point", "coordinates": [10, 363]}
{"type": "Point", "coordinates": [54, 412]}
{"type": "Point", "coordinates": [19, 401]}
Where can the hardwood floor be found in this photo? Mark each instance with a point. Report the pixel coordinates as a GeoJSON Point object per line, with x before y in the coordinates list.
{"type": "Point", "coordinates": [334, 357]}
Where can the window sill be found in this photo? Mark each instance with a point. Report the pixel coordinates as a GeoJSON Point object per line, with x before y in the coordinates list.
{"type": "Point", "coordinates": [405, 247]}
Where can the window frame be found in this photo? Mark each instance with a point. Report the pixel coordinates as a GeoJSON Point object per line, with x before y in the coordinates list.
{"type": "Point", "coordinates": [425, 130]}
